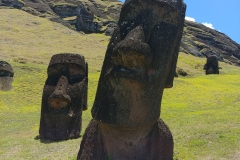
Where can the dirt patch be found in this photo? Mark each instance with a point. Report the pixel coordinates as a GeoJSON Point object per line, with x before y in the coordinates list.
{"type": "Point", "coordinates": [236, 156]}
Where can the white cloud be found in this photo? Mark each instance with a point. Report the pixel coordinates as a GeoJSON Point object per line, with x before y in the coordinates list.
{"type": "Point", "coordinates": [189, 19]}
{"type": "Point", "coordinates": [209, 25]}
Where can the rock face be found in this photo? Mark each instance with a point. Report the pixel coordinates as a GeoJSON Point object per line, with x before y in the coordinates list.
{"type": "Point", "coordinates": [202, 41]}
{"type": "Point", "coordinates": [6, 76]}
{"type": "Point", "coordinates": [211, 65]}
{"type": "Point", "coordinates": [64, 97]}
{"type": "Point", "coordinates": [67, 10]}
{"type": "Point", "coordinates": [13, 3]}
{"type": "Point", "coordinates": [39, 5]}
{"type": "Point", "coordinates": [85, 22]}
{"type": "Point", "coordinates": [138, 65]}
{"type": "Point", "coordinates": [84, 18]}
{"type": "Point", "coordinates": [102, 16]}
{"type": "Point", "coordinates": [90, 15]}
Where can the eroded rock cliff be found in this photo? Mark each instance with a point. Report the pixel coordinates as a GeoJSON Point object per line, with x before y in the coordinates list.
{"type": "Point", "coordinates": [98, 16]}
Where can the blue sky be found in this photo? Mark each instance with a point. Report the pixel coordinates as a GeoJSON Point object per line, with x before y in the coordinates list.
{"type": "Point", "coordinates": [222, 15]}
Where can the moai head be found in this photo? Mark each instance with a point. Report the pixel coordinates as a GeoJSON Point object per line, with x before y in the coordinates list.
{"type": "Point", "coordinates": [211, 65]}
{"type": "Point", "coordinates": [6, 76]}
{"type": "Point", "coordinates": [140, 62]}
{"type": "Point", "coordinates": [64, 97]}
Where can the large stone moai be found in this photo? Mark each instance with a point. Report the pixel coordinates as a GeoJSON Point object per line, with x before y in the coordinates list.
{"type": "Point", "coordinates": [211, 65]}
{"type": "Point", "coordinates": [6, 76]}
{"type": "Point", "coordinates": [140, 62]}
{"type": "Point", "coordinates": [64, 97]}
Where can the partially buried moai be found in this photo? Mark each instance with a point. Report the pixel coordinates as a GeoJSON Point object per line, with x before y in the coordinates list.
{"type": "Point", "coordinates": [6, 76]}
{"type": "Point", "coordinates": [140, 62]}
{"type": "Point", "coordinates": [64, 97]}
{"type": "Point", "coordinates": [211, 65]}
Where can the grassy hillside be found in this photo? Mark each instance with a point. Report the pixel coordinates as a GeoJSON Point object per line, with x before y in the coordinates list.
{"type": "Point", "coordinates": [25, 37]}
{"type": "Point", "coordinates": [202, 111]}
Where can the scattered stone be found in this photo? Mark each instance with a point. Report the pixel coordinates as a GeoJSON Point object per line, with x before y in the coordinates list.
{"type": "Point", "coordinates": [181, 72]}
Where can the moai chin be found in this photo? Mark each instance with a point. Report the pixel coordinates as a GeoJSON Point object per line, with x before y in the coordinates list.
{"type": "Point", "coordinates": [6, 76]}
{"type": "Point", "coordinates": [211, 65]}
{"type": "Point", "coordinates": [64, 97]}
{"type": "Point", "coordinates": [140, 62]}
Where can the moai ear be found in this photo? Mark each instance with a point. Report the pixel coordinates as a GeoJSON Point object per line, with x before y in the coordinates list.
{"type": "Point", "coordinates": [171, 70]}
{"type": "Point", "coordinates": [173, 64]}
{"type": "Point", "coordinates": [85, 107]}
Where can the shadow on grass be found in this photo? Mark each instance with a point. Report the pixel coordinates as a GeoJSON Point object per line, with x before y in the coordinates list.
{"type": "Point", "coordinates": [46, 141]}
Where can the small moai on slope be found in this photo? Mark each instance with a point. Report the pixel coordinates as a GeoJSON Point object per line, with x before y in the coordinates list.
{"type": "Point", "coordinates": [140, 62]}
{"type": "Point", "coordinates": [64, 97]}
{"type": "Point", "coordinates": [211, 65]}
{"type": "Point", "coordinates": [6, 76]}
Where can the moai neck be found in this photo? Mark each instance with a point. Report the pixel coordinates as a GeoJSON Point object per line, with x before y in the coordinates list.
{"type": "Point", "coordinates": [119, 141]}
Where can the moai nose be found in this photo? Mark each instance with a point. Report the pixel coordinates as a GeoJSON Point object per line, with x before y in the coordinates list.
{"type": "Point", "coordinates": [59, 98]}
{"type": "Point", "coordinates": [132, 52]}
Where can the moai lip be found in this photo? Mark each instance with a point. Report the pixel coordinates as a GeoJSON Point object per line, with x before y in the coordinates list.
{"type": "Point", "coordinates": [140, 62]}
{"type": "Point", "coordinates": [64, 97]}
{"type": "Point", "coordinates": [6, 76]}
{"type": "Point", "coordinates": [211, 65]}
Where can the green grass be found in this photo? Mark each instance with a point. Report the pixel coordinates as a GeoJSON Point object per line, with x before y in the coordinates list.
{"type": "Point", "coordinates": [37, 39]}
{"type": "Point", "coordinates": [20, 115]}
{"type": "Point", "coordinates": [203, 114]}
{"type": "Point", "coordinates": [202, 111]}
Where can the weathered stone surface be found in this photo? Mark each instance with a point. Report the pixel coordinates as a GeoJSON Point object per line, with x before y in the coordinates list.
{"type": "Point", "coordinates": [6, 76]}
{"type": "Point", "coordinates": [67, 10]}
{"type": "Point", "coordinates": [211, 65]}
{"type": "Point", "coordinates": [140, 62]}
{"type": "Point", "coordinates": [64, 97]}
{"type": "Point", "coordinates": [110, 29]}
{"type": "Point", "coordinates": [85, 23]}
{"type": "Point", "coordinates": [40, 5]}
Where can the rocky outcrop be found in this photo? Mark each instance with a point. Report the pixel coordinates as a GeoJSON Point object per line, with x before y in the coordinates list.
{"type": "Point", "coordinates": [13, 3]}
{"type": "Point", "coordinates": [68, 10]}
{"type": "Point", "coordinates": [202, 41]}
{"type": "Point", "coordinates": [89, 15]}
{"type": "Point", "coordinates": [102, 15]}
{"type": "Point", "coordinates": [87, 25]}
{"type": "Point", "coordinates": [40, 5]}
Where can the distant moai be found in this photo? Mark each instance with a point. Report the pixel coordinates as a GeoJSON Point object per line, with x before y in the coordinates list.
{"type": "Point", "coordinates": [6, 76]}
{"type": "Point", "coordinates": [211, 66]}
{"type": "Point", "coordinates": [64, 97]}
{"type": "Point", "coordinates": [140, 62]}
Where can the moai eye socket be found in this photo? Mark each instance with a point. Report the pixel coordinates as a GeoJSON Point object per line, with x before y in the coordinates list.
{"type": "Point", "coordinates": [6, 74]}
{"type": "Point", "coordinates": [52, 80]}
{"type": "Point", "coordinates": [76, 78]}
